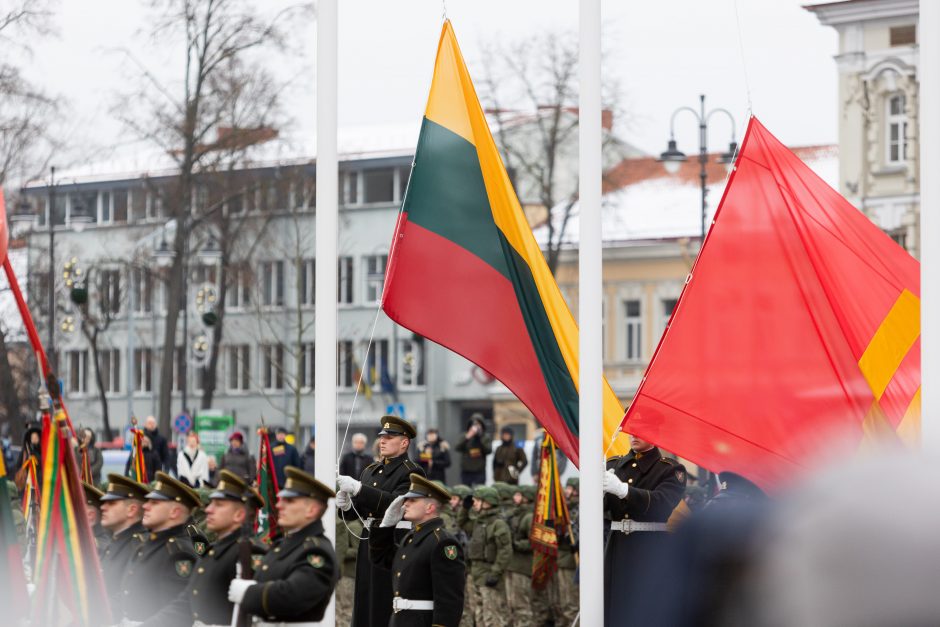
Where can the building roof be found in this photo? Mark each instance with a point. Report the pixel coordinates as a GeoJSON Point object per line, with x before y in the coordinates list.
{"type": "Point", "coordinates": [643, 202]}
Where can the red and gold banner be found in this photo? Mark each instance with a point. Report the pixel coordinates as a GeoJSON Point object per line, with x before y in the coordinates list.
{"type": "Point", "coordinates": [551, 518]}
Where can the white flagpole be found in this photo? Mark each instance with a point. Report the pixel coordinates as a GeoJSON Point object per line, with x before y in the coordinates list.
{"type": "Point", "coordinates": [929, 116]}
{"type": "Point", "coordinates": [590, 408]}
{"type": "Point", "coordinates": [327, 235]}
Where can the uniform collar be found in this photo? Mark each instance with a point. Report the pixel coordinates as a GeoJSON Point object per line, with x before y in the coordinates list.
{"type": "Point", "coordinates": [136, 528]}
{"type": "Point", "coordinates": [427, 527]}
{"type": "Point", "coordinates": [156, 536]}
{"type": "Point", "coordinates": [645, 460]}
{"type": "Point", "coordinates": [296, 537]}
{"type": "Point", "coordinates": [390, 461]}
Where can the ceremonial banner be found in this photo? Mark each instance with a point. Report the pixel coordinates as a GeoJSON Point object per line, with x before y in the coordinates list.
{"type": "Point", "coordinates": [550, 519]}
{"type": "Point", "coordinates": [138, 467]}
{"type": "Point", "coordinates": [267, 485]}
{"type": "Point", "coordinates": [69, 585]}
{"type": "Point", "coordinates": [797, 333]}
{"type": "Point", "coordinates": [13, 596]}
{"type": "Point", "coordinates": [465, 271]}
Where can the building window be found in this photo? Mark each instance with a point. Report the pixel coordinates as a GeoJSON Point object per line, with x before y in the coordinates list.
{"type": "Point", "coordinates": [272, 283]}
{"type": "Point", "coordinates": [109, 288]}
{"type": "Point", "coordinates": [239, 368]}
{"type": "Point", "coordinates": [111, 369]}
{"type": "Point", "coordinates": [668, 305]}
{"type": "Point", "coordinates": [403, 175]}
{"type": "Point", "coordinates": [376, 364]}
{"type": "Point", "coordinates": [899, 236]}
{"type": "Point", "coordinates": [378, 185]}
{"type": "Point", "coordinates": [200, 374]}
{"type": "Point", "coordinates": [86, 202]}
{"type": "Point", "coordinates": [238, 293]}
{"type": "Point", "coordinates": [119, 205]}
{"type": "Point", "coordinates": [375, 277]}
{"type": "Point", "coordinates": [349, 189]}
{"type": "Point", "coordinates": [308, 282]}
{"type": "Point", "coordinates": [308, 356]}
{"type": "Point", "coordinates": [633, 327]}
{"type": "Point", "coordinates": [902, 35]}
{"type": "Point", "coordinates": [205, 274]}
{"type": "Point", "coordinates": [411, 368]}
{"type": "Point", "coordinates": [272, 366]}
{"type": "Point", "coordinates": [345, 364]}
{"type": "Point", "coordinates": [138, 205]}
{"type": "Point", "coordinates": [344, 286]}
{"type": "Point", "coordinates": [78, 371]}
{"type": "Point", "coordinates": [104, 209]}
{"type": "Point", "coordinates": [141, 290]}
{"type": "Point", "coordinates": [896, 125]}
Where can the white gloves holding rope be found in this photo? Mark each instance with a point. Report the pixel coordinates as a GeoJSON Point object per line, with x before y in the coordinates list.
{"type": "Point", "coordinates": [347, 487]}
{"type": "Point", "coordinates": [394, 513]}
{"type": "Point", "coordinates": [343, 501]}
{"type": "Point", "coordinates": [613, 485]}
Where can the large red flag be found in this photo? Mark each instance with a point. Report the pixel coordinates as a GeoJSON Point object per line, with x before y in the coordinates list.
{"type": "Point", "coordinates": [798, 330]}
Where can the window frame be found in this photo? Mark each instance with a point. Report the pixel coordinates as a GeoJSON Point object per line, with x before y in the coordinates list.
{"type": "Point", "coordinates": [897, 121]}
{"type": "Point", "coordinates": [630, 325]}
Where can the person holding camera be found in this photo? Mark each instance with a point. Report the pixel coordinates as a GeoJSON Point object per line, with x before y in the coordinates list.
{"type": "Point", "coordinates": [509, 460]}
{"type": "Point", "coordinates": [474, 447]}
{"type": "Point", "coordinates": [434, 456]}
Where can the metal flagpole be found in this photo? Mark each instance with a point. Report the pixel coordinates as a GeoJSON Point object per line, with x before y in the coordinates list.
{"type": "Point", "coordinates": [590, 410]}
{"type": "Point", "coordinates": [929, 40]}
{"type": "Point", "coordinates": [327, 235]}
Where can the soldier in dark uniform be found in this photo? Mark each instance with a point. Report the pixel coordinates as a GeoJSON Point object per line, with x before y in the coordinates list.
{"type": "Point", "coordinates": [162, 565]}
{"type": "Point", "coordinates": [297, 576]}
{"type": "Point", "coordinates": [371, 495]}
{"type": "Point", "coordinates": [93, 512]}
{"type": "Point", "coordinates": [230, 515]}
{"type": "Point", "coordinates": [642, 488]}
{"type": "Point", "coordinates": [122, 508]}
{"type": "Point", "coordinates": [428, 569]}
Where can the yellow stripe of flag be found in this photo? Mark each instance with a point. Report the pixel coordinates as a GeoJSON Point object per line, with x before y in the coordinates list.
{"type": "Point", "coordinates": [891, 342]}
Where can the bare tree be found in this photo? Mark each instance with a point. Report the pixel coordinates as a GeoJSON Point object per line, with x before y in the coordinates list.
{"type": "Point", "coordinates": [219, 37]}
{"type": "Point", "coordinates": [530, 88]}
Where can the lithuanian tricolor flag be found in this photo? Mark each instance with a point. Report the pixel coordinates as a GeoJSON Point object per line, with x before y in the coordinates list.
{"type": "Point", "coordinates": [69, 585]}
{"type": "Point", "coordinates": [466, 272]}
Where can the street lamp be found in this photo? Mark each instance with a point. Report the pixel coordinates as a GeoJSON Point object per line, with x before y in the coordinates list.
{"type": "Point", "coordinates": [673, 158]}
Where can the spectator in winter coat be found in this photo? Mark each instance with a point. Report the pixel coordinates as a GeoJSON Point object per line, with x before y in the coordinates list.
{"type": "Point", "coordinates": [355, 461]}
{"type": "Point", "coordinates": [192, 463]}
{"type": "Point", "coordinates": [309, 461]}
{"type": "Point", "coordinates": [474, 447]}
{"type": "Point", "coordinates": [95, 459]}
{"type": "Point", "coordinates": [434, 455]}
{"type": "Point", "coordinates": [509, 460]}
{"type": "Point", "coordinates": [237, 460]}
{"type": "Point", "coordinates": [158, 444]}
{"type": "Point", "coordinates": [151, 461]}
{"type": "Point", "coordinates": [284, 453]}
{"type": "Point", "coordinates": [213, 471]}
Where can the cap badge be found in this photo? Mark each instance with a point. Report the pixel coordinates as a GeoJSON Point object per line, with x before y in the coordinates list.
{"type": "Point", "coordinates": [388, 425]}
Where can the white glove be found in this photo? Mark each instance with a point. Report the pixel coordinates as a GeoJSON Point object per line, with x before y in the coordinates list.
{"type": "Point", "coordinates": [348, 484]}
{"type": "Point", "coordinates": [613, 485]}
{"type": "Point", "coordinates": [394, 512]}
{"type": "Point", "coordinates": [237, 589]}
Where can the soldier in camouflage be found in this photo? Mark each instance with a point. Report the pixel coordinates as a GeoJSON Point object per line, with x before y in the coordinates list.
{"type": "Point", "coordinates": [490, 550]}
{"type": "Point", "coordinates": [519, 575]}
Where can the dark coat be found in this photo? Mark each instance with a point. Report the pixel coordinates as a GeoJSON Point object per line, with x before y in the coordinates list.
{"type": "Point", "coordinates": [296, 578]}
{"type": "Point", "coordinates": [473, 452]}
{"type": "Point", "coordinates": [382, 483]}
{"type": "Point", "coordinates": [240, 462]}
{"type": "Point", "coordinates": [656, 485]}
{"type": "Point", "coordinates": [308, 462]}
{"type": "Point", "coordinates": [284, 454]}
{"type": "Point", "coordinates": [429, 565]}
{"type": "Point", "coordinates": [162, 449]}
{"type": "Point", "coordinates": [114, 560]}
{"type": "Point", "coordinates": [434, 459]}
{"type": "Point", "coordinates": [159, 570]}
{"type": "Point", "coordinates": [352, 464]}
{"type": "Point", "coordinates": [206, 596]}
{"type": "Point", "coordinates": [506, 455]}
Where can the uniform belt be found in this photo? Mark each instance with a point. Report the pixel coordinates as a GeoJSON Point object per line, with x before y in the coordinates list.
{"type": "Point", "coordinates": [632, 526]}
{"type": "Point", "coordinates": [399, 604]}
{"type": "Point", "coordinates": [370, 522]}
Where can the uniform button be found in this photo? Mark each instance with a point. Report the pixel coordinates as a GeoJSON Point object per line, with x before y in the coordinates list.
{"type": "Point", "coordinates": [200, 570]}
{"type": "Point", "coordinates": [171, 540]}
{"type": "Point", "coordinates": [265, 567]}
{"type": "Point", "coordinates": [374, 483]}
{"type": "Point", "coordinates": [380, 471]}
{"type": "Point", "coordinates": [633, 465]}
{"type": "Point", "coordinates": [277, 550]}
{"type": "Point", "coordinates": [398, 574]}
{"type": "Point", "coordinates": [409, 540]}
{"type": "Point", "coordinates": [630, 480]}
{"type": "Point", "coordinates": [211, 551]}
{"type": "Point", "coordinates": [403, 556]}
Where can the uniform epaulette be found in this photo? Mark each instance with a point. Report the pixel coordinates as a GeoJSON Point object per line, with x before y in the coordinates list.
{"type": "Point", "coordinates": [615, 458]}
{"type": "Point", "coordinates": [312, 540]}
{"type": "Point", "coordinates": [411, 464]}
{"type": "Point", "coordinates": [437, 534]}
{"type": "Point", "coordinates": [668, 460]}
{"type": "Point", "coordinates": [373, 465]}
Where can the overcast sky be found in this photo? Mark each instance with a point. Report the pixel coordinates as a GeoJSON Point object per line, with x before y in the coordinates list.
{"type": "Point", "coordinates": [664, 54]}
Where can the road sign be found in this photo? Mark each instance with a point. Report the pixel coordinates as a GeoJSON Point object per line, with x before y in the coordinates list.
{"type": "Point", "coordinates": [182, 423]}
{"type": "Point", "coordinates": [396, 409]}
{"type": "Point", "coordinates": [214, 427]}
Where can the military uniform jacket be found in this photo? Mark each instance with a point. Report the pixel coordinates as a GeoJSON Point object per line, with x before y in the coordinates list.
{"type": "Point", "coordinates": [296, 578]}
{"type": "Point", "coordinates": [428, 565]}
{"type": "Point", "coordinates": [490, 547]}
{"type": "Point", "coordinates": [158, 572]}
{"type": "Point", "coordinates": [114, 560]}
{"type": "Point", "coordinates": [656, 485]}
{"type": "Point", "coordinates": [382, 483]}
{"type": "Point", "coordinates": [206, 596]}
